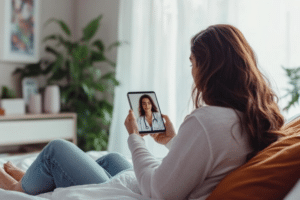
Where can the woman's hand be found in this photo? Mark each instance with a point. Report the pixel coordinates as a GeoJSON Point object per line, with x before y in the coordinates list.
{"type": "Point", "coordinates": [165, 137]}
{"type": "Point", "coordinates": [131, 124]}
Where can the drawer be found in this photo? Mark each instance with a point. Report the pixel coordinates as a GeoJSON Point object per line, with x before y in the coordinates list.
{"type": "Point", "coordinates": [35, 131]}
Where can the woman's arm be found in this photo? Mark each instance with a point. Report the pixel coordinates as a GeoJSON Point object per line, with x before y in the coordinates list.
{"type": "Point", "coordinates": [185, 166]}
{"type": "Point", "coordinates": [169, 144]}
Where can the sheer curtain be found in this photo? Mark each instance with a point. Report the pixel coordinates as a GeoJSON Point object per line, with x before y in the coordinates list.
{"type": "Point", "coordinates": [156, 57]}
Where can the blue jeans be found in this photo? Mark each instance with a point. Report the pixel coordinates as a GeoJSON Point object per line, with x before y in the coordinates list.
{"type": "Point", "coordinates": [62, 164]}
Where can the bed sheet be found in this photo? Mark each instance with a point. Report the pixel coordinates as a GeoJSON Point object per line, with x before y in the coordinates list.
{"type": "Point", "coordinates": [123, 186]}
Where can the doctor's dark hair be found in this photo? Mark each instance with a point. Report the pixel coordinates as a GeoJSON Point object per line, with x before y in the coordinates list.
{"type": "Point", "coordinates": [141, 110]}
{"type": "Point", "coordinates": [227, 75]}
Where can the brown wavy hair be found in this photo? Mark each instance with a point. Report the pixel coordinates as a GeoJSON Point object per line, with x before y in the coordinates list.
{"type": "Point", "coordinates": [141, 110]}
{"type": "Point", "coordinates": [227, 75]}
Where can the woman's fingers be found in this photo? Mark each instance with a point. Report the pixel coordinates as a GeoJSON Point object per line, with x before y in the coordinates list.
{"type": "Point", "coordinates": [154, 134]}
{"type": "Point", "coordinates": [131, 113]}
{"type": "Point", "coordinates": [130, 116]}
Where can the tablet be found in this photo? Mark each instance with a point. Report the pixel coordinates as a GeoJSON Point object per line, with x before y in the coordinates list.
{"type": "Point", "coordinates": [147, 111]}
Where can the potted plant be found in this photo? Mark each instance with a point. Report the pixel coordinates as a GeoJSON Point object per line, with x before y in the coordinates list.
{"type": "Point", "coordinates": [75, 63]}
{"type": "Point", "coordinates": [10, 104]}
{"type": "Point", "coordinates": [294, 80]}
{"type": "Point", "coordinates": [7, 93]}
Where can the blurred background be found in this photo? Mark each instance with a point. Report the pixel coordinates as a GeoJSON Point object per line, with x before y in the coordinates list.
{"type": "Point", "coordinates": [150, 48]}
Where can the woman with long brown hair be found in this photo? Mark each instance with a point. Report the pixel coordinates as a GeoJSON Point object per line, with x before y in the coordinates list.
{"type": "Point", "coordinates": [236, 115]}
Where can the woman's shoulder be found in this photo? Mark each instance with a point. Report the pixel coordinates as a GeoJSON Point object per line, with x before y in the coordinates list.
{"type": "Point", "coordinates": [216, 115]}
{"type": "Point", "coordinates": [215, 111]}
{"type": "Point", "coordinates": [223, 128]}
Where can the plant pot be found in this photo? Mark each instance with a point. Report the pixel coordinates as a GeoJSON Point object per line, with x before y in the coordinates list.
{"type": "Point", "coordinates": [13, 106]}
{"type": "Point", "coordinates": [52, 99]}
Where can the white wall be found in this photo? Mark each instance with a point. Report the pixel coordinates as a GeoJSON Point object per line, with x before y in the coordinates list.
{"type": "Point", "coordinates": [87, 10]}
{"type": "Point", "coordinates": [62, 9]}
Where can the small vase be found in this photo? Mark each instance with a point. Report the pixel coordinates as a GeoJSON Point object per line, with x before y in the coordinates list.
{"type": "Point", "coordinates": [52, 99]}
{"type": "Point", "coordinates": [35, 104]}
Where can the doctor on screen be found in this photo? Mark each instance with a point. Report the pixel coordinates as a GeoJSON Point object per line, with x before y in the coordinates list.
{"type": "Point", "coordinates": [150, 119]}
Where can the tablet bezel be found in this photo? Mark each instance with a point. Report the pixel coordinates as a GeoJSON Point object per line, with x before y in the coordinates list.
{"type": "Point", "coordinates": [147, 92]}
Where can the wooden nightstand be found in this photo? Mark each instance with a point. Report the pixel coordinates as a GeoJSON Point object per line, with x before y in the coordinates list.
{"type": "Point", "coordinates": [37, 128]}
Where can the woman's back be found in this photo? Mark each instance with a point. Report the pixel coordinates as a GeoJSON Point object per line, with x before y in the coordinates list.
{"type": "Point", "coordinates": [208, 146]}
{"type": "Point", "coordinates": [229, 146]}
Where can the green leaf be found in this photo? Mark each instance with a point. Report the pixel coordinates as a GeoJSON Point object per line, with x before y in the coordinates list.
{"type": "Point", "coordinates": [50, 37]}
{"type": "Point", "coordinates": [32, 70]}
{"type": "Point", "coordinates": [56, 68]}
{"type": "Point", "coordinates": [70, 46]}
{"type": "Point", "coordinates": [105, 114]}
{"type": "Point", "coordinates": [97, 57]}
{"type": "Point", "coordinates": [108, 106]}
{"type": "Point", "coordinates": [110, 62]}
{"type": "Point", "coordinates": [67, 44]}
{"type": "Point", "coordinates": [90, 30]}
{"type": "Point", "coordinates": [66, 92]}
{"type": "Point", "coordinates": [99, 44]}
{"type": "Point", "coordinates": [74, 70]}
{"type": "Point", "coordinates": [49, 68]}
{"type": "Point", "coordinates": [80, 53]}
{"type": "Point", "coordinates": [82, 109]}
{"type": "Point", "coordinates": [89, 91]}
{"type": "Point", "coordinates": [115, 44]}
{"type": "Point", "coordinates": [294, 76]}
{"type": "Point", "coordinates": [52, 51]}
{"type": "Point", "coordinates": [101, 140]}
{"type": "Point", "coordinates": [110, 76]}
{"type": "Point", "coordinates": [62, 24]}
{"type": "Point", "coordinates": [58, 63]}
{"type": "Point", "coordinates": [59, 74]}
{"type": "Point", "coordinates": [67, 64]}
{"type": "Point", "coordinates": [7, 93]}
{"type": "Point", "coordinates": [97, 73]}
{"type": "Point", "coordinates": [106, 120]}
{"type": "Point", "coordinates": [98, 86]}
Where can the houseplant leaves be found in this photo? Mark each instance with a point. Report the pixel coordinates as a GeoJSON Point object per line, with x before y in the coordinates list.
{"type": "Point", "coordinates": [74, 61]}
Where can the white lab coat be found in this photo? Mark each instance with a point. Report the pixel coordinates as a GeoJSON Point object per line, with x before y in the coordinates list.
{"type": "Point", "coordinates": [157, 123]}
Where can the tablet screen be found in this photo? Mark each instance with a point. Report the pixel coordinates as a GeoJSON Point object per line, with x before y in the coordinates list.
{"type": "Point", "coordinates": [147, 112]}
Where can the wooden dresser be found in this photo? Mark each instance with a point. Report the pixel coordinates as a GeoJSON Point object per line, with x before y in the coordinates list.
{"type": "Point", "coordinates": [37, 128]}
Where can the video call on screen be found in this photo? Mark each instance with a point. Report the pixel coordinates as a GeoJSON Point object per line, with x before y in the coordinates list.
{"type": "Point", "coordinates": [147, 112]}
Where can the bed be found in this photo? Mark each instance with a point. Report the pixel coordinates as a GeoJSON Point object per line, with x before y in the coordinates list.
{"type": "Point", "coordinates": [122, 186]}
{"type": "Point", "coordinates": [117, 188]}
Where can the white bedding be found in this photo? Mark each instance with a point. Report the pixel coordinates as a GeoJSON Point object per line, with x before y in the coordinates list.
{"type": "Point", "coordinates": [123, 186]}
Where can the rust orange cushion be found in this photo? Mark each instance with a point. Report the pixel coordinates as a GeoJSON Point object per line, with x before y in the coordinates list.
{"type": "Point", "coordinates": [270, 174]}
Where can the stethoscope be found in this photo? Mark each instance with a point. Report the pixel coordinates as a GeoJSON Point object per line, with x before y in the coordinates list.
{"type": "Point", "coordinates": [146, 123]}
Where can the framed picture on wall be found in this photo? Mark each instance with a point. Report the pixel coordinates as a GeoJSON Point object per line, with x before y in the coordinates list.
{"type": "Point", "coordinates": [21, 32]}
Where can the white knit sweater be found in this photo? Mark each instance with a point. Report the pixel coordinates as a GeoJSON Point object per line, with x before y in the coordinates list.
{"type": "Point", "coordinates": [208, 146]}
